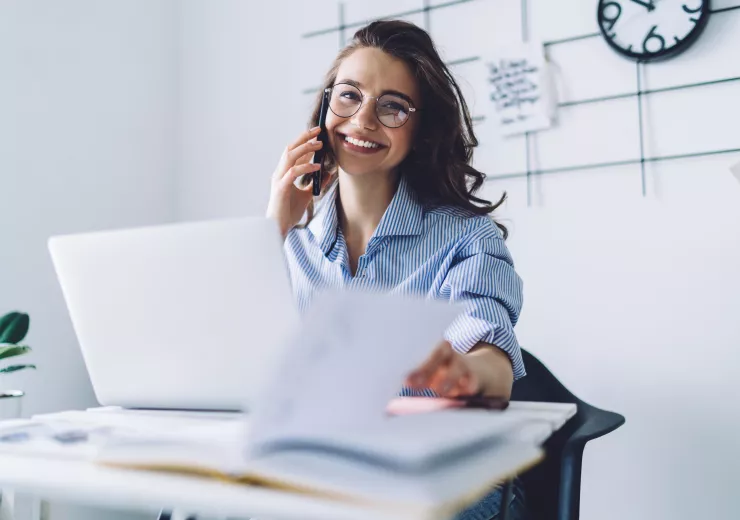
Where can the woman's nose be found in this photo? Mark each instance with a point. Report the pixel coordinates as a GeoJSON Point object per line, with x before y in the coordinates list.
{"type": "Point", "coordinates": [365, 117]}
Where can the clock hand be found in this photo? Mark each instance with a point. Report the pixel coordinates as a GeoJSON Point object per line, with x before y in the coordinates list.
{"type": "Point", "coordinates": [647, 5]}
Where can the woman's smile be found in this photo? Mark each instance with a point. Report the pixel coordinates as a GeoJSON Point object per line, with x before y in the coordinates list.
{"type": "Point", "coordinates": [359, 144]}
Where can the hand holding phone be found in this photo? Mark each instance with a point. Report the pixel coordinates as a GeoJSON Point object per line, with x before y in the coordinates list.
{"type": "Point", "coordinates": [288, 201]}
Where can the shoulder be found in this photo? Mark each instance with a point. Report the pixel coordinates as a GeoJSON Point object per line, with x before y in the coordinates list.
{"type": "Point", "coordinates": [464, 223]}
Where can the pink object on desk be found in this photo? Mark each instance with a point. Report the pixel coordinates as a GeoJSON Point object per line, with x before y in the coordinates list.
{"type": "Point", "coordinates": [411, 405]}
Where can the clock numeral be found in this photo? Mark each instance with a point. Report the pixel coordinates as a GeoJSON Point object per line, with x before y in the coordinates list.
{"type": "Point", "coordinates": [611, 18]}
{"type": "Point", "coordinates": [652, 35]}
{"type": "Point", "coordinates": [691, 11]}
{"type": "Point", "coordinates": [695, 20]}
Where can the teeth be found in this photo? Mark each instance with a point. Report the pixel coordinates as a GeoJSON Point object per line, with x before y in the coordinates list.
{"type": "Point", "coordinates": [358, 142]}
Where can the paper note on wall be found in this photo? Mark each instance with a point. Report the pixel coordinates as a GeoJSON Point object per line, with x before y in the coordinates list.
{"type": "Point", "coordinates": [736, 171]}
{"type": "Point", "coordinates": [520, 91]}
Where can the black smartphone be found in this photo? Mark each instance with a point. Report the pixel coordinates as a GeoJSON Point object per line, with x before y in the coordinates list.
{"type": "Point", "coordinates": [318, 156]}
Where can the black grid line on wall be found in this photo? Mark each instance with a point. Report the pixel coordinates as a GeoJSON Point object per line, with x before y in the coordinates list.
{"type": "Point", "coordinates": [639, 93]}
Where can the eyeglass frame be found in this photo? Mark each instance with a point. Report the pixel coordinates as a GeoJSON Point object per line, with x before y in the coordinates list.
{"type": "Point", "coordinates": [328, 90]}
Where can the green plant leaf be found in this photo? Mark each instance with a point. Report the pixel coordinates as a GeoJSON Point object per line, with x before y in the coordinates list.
{"type": "Point", "coordinates": [14, 327]}
{"type": "Point", "coordinates": [9, 350]}
{"type": "Point", "coordinates": [15, 368]}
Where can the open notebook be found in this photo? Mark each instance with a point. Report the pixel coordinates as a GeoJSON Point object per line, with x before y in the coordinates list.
{"type": "Point", "coordinates": [322, 425]}
{"type": "Point", "coordinates": [431, 464]}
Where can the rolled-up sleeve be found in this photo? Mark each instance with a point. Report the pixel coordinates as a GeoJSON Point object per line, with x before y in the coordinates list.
{"type": "Point", "coordinates": [482, 278]}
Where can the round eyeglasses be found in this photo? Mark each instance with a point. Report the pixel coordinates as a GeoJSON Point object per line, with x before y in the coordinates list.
{"type": "Point", "coordinates": [392, 110]}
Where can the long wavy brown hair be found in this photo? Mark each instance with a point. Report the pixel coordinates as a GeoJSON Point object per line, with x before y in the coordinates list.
{"type": "Point", "coordinates": [437, 169]}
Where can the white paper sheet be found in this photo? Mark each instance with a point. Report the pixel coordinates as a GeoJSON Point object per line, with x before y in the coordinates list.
{"type": "Point", "coordinates": [349, 360]}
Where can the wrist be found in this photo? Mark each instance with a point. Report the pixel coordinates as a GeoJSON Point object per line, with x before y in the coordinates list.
{"type": "Point", "coordinates": [282, 228]}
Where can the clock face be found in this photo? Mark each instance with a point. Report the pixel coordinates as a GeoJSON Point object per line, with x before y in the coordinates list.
{"type": "Point", "coordinates": [649, 30]}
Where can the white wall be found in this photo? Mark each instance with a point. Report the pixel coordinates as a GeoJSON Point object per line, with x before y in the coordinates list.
{"type": "Point", "coordinates": [238, 109]}
{"type": "Point", "coordinates": [88, 99]}
{"type": "Point", "coordinates": [631, 300]}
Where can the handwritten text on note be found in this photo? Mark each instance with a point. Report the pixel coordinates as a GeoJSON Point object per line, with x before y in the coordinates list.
{"type": "Point", "coordinates": [519, 89]}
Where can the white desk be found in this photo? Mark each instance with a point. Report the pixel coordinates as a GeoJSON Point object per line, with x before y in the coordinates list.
{"type": "Point", "coordinates": [87, 483]}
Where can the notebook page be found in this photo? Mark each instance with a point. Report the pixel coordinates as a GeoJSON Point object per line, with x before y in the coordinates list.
{"type": "Point", "coordinates": [411, 444]}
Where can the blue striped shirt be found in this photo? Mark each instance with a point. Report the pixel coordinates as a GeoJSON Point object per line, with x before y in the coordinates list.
{"type": "Point", "coordinates": [443, 253]}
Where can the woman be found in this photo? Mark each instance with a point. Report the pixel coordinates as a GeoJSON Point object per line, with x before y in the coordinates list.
{"type": "Point", "coordinates": [398, 212]}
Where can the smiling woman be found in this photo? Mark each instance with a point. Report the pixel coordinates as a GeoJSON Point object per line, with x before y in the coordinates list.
{"type": "Point", "coordinates": [398, 212]}
{"type": "Point", "coordinates": [394, 55]}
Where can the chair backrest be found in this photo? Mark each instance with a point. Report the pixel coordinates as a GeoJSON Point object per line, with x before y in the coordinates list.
{"type": "Point", "coordinates": [540, 384]}
{"type": "Point", "coordinates": [553, 487]}
{"type": "Point", "coordinates": [542, 483]}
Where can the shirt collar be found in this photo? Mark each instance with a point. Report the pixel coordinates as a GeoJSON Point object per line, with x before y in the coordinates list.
{"type": "Point", "coordinates": [403, 217]}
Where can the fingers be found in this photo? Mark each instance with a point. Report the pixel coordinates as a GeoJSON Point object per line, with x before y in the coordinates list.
{"type": "Point", "coordinates": [304, 158]}
{"type": "Point", "coordinates": [306, 149]}
{"type": "Point", "coordinates": [299, 170]}
{"type": "Point", "coordinates": [450, 381]}
{"type": "Point", "coordinates": [298, 152]}
{"type": "Point", "coordinates": [439, 358]}
{"type": "Point", "coordinates": [325, 180]}
{"type": "Point", "coordinates": [457, 380]}
{"type": "Point", "coordinates": [445, 372]}
{"type": "Point", "coordinates": [305, 136]}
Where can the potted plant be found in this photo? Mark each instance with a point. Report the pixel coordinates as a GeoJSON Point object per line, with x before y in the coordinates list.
{"type": "Point", "coordinates": [13, 328]}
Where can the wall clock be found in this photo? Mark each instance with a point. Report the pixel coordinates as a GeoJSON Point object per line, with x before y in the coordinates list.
{"type": "Point", "coordinates": [650, 30]}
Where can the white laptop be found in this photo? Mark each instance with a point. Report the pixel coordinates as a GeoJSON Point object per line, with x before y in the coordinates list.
{"type": "Point", "coordinates": [188, 316]}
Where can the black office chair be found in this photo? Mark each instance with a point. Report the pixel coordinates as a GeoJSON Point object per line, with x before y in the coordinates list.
{"type": "Point", "coordinates": [553, 488]}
